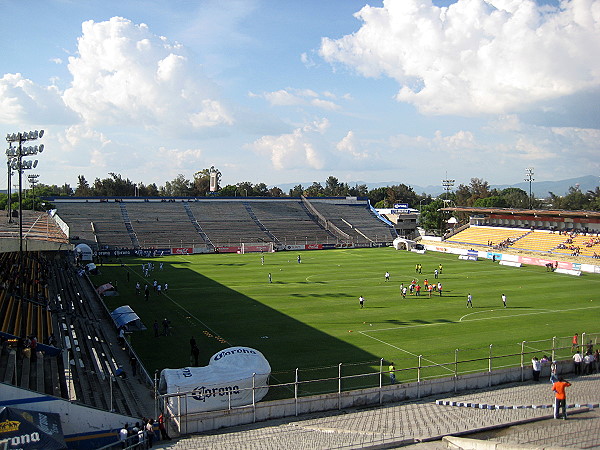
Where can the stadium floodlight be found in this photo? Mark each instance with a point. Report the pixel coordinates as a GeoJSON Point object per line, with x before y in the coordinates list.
{"type": "Point", "coordinates": [529, 177]}
{"type": "Point", "coordinates": [15, 162]}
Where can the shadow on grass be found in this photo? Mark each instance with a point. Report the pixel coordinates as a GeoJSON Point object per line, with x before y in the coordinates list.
{"type": "Point", "coordinates": [219, 317]}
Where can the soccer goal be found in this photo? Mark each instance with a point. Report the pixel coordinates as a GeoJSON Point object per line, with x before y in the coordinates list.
{"type": "Point", "coordinates": [254, 247]}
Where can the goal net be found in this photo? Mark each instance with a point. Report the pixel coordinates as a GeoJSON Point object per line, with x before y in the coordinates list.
{"type": "Point", "coordinates": [254, 247]}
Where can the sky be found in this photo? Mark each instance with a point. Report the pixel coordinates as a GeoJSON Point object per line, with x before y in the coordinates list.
{"type": "Point", "coordinates": [282, 91]}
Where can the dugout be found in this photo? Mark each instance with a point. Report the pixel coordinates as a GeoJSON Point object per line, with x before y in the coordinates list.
{"type": "Point", "coordinates": [227, 381]}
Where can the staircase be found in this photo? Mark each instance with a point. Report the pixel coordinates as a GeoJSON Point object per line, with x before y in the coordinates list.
{"type": "Point", "coordinates": [130, 230]}
{"type": "Point", "coordinates": [197, 225]}
{"type": "Point", "coordinates": [259, 223]}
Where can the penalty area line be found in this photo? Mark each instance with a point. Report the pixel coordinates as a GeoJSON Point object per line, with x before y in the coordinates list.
{"type": "Point", "coordinates": [405, 351]}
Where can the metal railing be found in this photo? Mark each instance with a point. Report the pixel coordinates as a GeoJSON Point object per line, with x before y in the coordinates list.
{"type": "Point", "coordinates": [298, 383]}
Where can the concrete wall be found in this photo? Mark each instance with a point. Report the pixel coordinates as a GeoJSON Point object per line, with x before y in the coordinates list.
{"type": "Point", "coordinates": [12, 245]}
{"type": "Point", "coordinates": [199, 422]}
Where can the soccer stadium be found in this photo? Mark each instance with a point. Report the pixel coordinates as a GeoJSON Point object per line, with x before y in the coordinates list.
{"type": "Point", "coordinates": [219, 322]}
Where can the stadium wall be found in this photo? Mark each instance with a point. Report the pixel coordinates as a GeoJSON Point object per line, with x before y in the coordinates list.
{"type": "Point", "coordinates": [32, 245]}
{"type": "Point", "coordinates": [196, 423]}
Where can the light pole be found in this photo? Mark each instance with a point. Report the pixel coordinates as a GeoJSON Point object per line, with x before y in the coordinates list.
{"type": "Point", "coordinates": [447, 184]}
{"type": "Point", "coordinates": [8, 161]}
{"type": "Point", "coordinates": [529, 177]}
{"type": "Point", "coordinates": [16, 162]}
{"type": "Point", "coordinates": [33, 180]}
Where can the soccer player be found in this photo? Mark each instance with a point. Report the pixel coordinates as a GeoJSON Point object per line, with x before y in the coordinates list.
{"type": "Point", "coordinates": [504, 300]}
{"type": "Point", "coordinates": [440, 288]}
{"type": "Point", "coordinates": [435, 273]}
{"type": "Point", "coordinates": [469, 300]}
{"type": "Point", "coordinates": [387, 276]}
{"type": "Point", "coordinates": [404, 292]}
{"type": "Point", "coordinates": [361, 300]}
{"type": "Point", "coordinates": [440, 267]}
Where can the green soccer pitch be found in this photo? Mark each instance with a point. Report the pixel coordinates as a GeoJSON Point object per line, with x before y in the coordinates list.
{"type": "Point", "coordinates": [309, 316]}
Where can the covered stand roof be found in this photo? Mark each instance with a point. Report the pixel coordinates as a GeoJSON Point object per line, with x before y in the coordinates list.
{"type": "Point", "coordinates": [525, 212]}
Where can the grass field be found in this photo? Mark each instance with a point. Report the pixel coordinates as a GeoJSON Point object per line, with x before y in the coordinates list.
{"type": "Point", "coordinates": [309, 316]}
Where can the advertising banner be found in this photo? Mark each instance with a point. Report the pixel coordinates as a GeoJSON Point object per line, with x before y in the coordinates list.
{"type": "Point", "coordinates": [314, 246]}
{"type": "Point", "coordinates": [182, 251]}
{"type": "Point", "coordinates": [229, 249]}
{"type": "Point", "coordinates": [294, 247]}
{"type": "Point", "coordinates": [22, 429]}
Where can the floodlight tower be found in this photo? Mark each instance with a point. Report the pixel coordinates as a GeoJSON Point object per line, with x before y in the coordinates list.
{"type": "Point", "coordinates": [16, 162]}
{"type": "Point", "coordinates": [448, 185]}
{"type": "Point", "coordinates": [529, 177]}
{"type": "Point", "coordinates": [33, 180]}
{"type": "Point", "coordinates": [9, 189]}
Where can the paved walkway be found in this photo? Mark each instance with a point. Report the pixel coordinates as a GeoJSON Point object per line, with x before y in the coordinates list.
{"type": "Point", "coordinates": [425, 421]}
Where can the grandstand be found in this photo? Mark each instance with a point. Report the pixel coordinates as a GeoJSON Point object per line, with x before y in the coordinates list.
{"type": "Point", "coordinates": [564, 233]}
{"type": "Point", "coordinates": [58, 340]}
{"type": "Point", "coordinates": [211, 223]}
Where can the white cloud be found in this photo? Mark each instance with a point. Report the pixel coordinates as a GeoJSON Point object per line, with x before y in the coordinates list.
{"type": "Point", "coordinates": [123, 74]}
{"type": "Point", "coordinates": [475, 56]}
{"type": "Point", "coordinates": [294, 150]}
{"type": "Point", "coordinates": [299, 97]}
{"type": "Point", "coordinates": [349, 145]}
{"type": "Point", "coordinates": [23, 101]}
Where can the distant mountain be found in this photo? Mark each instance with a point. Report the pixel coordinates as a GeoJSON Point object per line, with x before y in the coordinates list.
{"type": "Point", "coordinates": [540, 189]}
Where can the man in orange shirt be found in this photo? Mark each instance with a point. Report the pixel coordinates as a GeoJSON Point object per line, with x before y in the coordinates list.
{"type": "Point", "coordinates": [561, 397]}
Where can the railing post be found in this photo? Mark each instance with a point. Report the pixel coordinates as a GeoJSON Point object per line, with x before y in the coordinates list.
{"type": "Point", "coordinates": [490, 367]}
{"type": "Point", "coordinates": [523, 361]}
{"type": "Point", "coordinates": [419, 377]}
{"type": "Point", "coordinates": [554, 348]}
{"type": "Point", "coordinates": [583, 345]}
{"type": "Point", "coordinates": [380, 380]}
{"type": "Point", "coordinates": [455, 369]}
{"type": "Point", "coordinates": [340, 386]}
{"type": "Point", "coordinates": [253, 397]}
{"type": "Point", "coordinates": [296, 391]}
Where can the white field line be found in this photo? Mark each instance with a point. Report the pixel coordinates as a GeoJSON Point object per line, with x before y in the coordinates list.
{"type": "Point", "coordinates": [177, 304]}
{"type": "Point", "coordinates": [513, 315]}
{"type": "Point", "coordinates": [405, 351]}
{"type": "Point", "coordinates": [483, 318]}
{"type": "Point", "coordinates": [543, 311]}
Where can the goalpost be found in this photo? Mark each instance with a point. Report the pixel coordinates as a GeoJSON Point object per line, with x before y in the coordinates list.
{"type": "Point", "coordinates": [256, 247]}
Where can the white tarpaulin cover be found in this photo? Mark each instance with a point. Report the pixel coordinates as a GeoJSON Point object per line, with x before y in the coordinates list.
{"type": "Point", "coordinates": [229, 374]}
{"type": "Point", "coordinates": [84, 251]}
{"type": "Point", "coordinates": [124, 315]}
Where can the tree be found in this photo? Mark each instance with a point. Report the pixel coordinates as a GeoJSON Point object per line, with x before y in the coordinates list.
{"type": "Point", "coordinates": [359, 190]}
{"type": "Point", "coordinates": [491, 202]}
{"type": "Point", "coordinates": [179, 187]}
{"type": "Point", "coordinates": [83, 188]}
{"type": "Point", "coordinates": [114, 186]}
{"type": "Point", "coordinates": [377, 194]}
{"type": "Point", "coordinates": [297, 191]}
{"type": "Point", "coordinates": [276, 192]}
{"type": "Point", "coordinates": [515, 197]}
{"type": "Point", "coordinates": [574, 200]}
{"type": "Point", "coordinates": [228, 191]}
{"type": "Point", "coordinates": [432, 219]}
{"type": "Point", "coordinates": [315, 190]}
